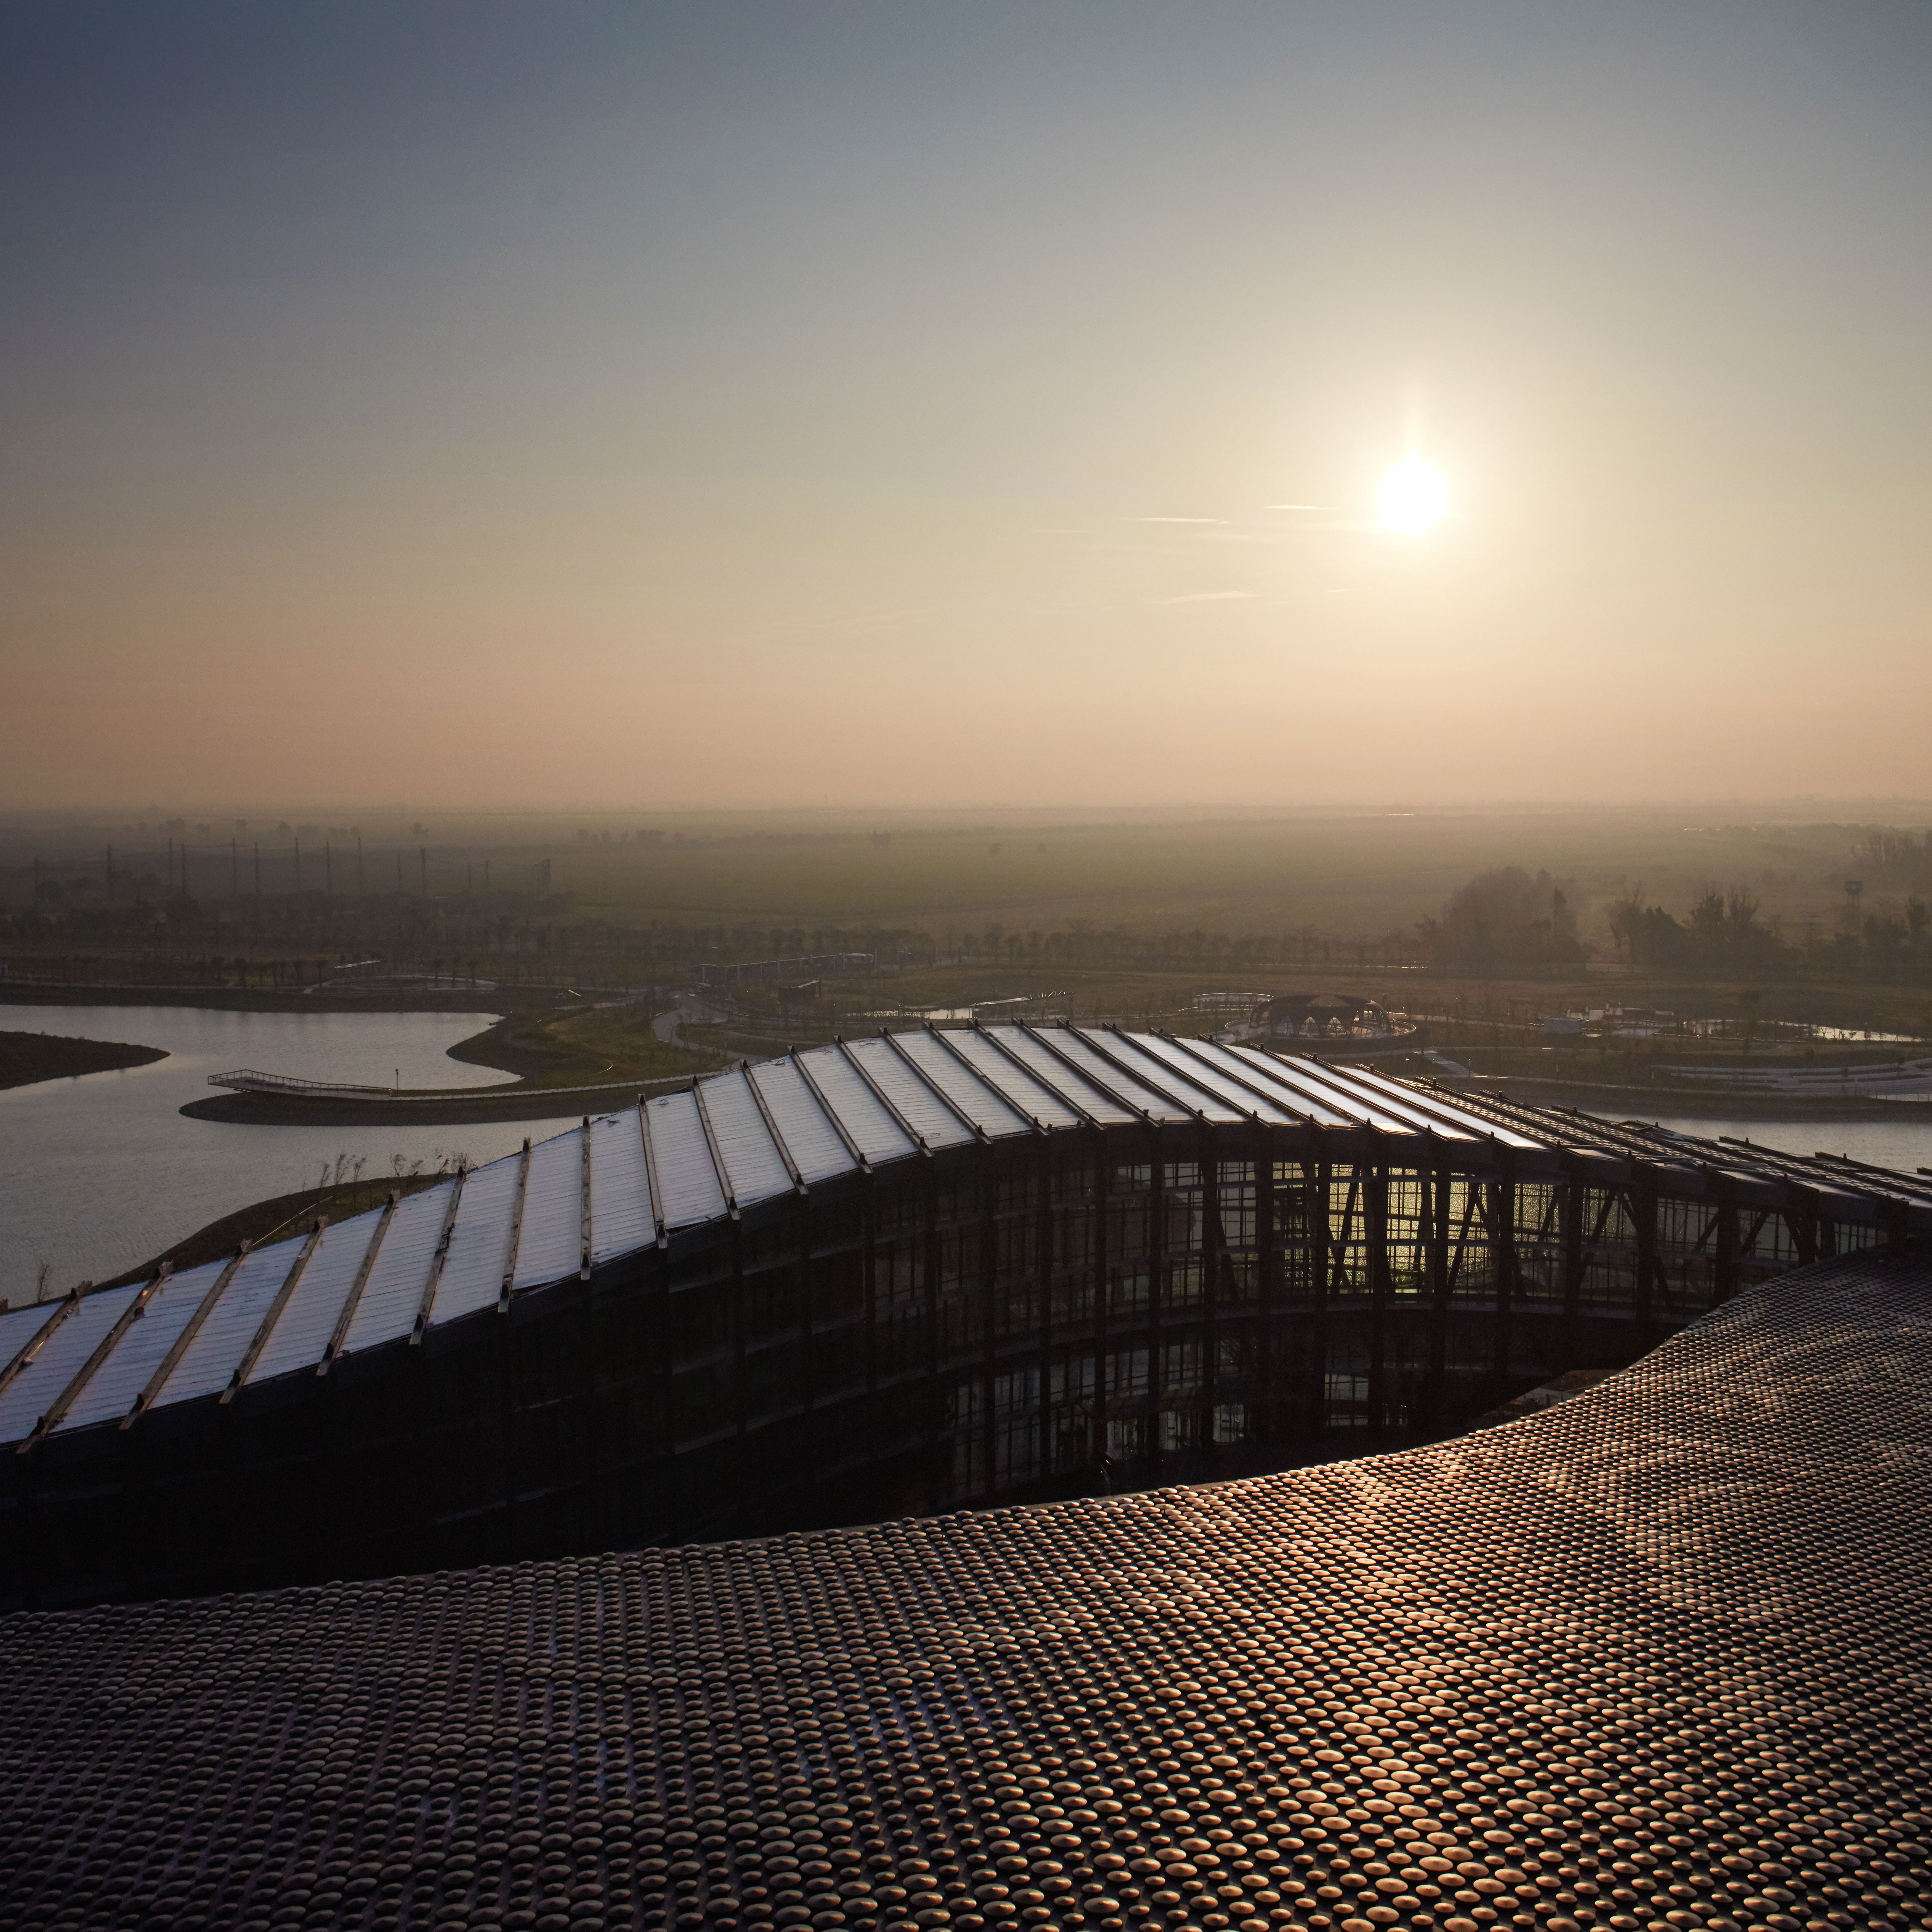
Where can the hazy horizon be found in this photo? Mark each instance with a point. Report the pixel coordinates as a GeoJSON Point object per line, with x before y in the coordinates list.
{"type": "Point", "coordinates": [237, 814]}
{"type": "Point", "coordinates": [861, 408]}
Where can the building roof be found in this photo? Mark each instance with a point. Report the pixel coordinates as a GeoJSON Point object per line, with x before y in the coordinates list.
{"type": "Point", "coordinates": [629, 1180]}
{"type": "Point", "coordinates": [1661, 1649]}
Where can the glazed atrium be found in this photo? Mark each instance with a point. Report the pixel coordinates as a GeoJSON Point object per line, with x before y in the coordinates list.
{"type": "Point", "coordinates": [921, 1272]}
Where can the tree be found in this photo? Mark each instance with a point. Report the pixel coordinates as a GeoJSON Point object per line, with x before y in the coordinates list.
{"type": "Point", "coordinates": [1503, 920]}
{"type": "Point", "coordinates": [1888, 854]}
{"type": "Point", "coordinates": [1722, 934]}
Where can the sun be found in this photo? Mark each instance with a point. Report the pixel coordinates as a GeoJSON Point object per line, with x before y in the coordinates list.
{"type": "Point", "coordinates": [1412, 496]}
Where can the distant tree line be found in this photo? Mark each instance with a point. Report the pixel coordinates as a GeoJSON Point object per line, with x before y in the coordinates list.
{"type": "Point", "coordinates": [1722, 935]}
{"type": "Point", "coordinates": [1893, 857]}
{"type": "Point", "coordinates": [1081, 944]}
{"type": "Point", "coordinates": [1504, 922]}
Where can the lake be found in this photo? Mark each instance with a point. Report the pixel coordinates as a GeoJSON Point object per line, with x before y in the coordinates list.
{"type": "Point", "coordinates": [1904, 1145]}
{"type": "Point", "coordinates": [99, 1173]}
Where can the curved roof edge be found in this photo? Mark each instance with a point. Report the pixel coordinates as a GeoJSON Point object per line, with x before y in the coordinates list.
{"type": "Point", "coordinates": [624, 1182]}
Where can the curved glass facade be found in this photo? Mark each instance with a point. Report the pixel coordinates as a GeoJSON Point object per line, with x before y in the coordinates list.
{"type": "Point", "coordinates": [616, 1340]}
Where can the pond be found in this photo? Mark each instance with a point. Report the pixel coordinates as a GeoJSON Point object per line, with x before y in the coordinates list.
{"type": "Point", "coordinates": [98, 1174]}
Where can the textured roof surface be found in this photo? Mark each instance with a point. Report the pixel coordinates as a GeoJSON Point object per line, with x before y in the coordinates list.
{"type": "Point", "coordinates": [1658, 1657]}
{"type": "Point", "coordinates": [626, 1181]}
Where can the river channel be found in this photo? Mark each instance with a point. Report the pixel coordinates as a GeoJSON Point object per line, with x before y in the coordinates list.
{"type": "Point", "coordinates": [98, 1174]}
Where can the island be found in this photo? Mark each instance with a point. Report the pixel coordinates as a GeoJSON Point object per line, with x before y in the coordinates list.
{"type": "Point", "coordinates": [27, 1057]}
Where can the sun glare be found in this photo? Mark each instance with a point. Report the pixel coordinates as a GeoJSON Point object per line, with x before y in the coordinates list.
{"type": "Point", "coordinates": [1412, 497]}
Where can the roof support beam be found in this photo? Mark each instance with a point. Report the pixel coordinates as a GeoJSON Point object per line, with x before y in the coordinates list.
{"type": "Point", "coordinates": [771, 1127]}
{"type": "Point", "coordinates": [651, 1170]}
{"type": "Point", "coordinates": [56, 1412]}
{"type": "Point", "coordinates": [1074, 1067]}
{"type": "Point", "coordinates": [1403, 1093]}
{"type": "Point", "coordinates": [32, 1345]}
{"type": "Point", "coordinates": [960, 1060]}
{"type": "Point", "coordinates": [253, 1353]}
{"type": "Point", "coordinates": [932, 1086]}
{"type": "Point", "coordinates": [1039, 1078]}
{"type": "Point", "coordinates": [830, 1112]}
{"type": "Point", "coordinates": [1279, 1102]}
{"type": "Point", "coordinates": [1359, 1110]}
{"type": "Point", "coordinates": [1120, 1066]}
{"type": "Point", "coordinates": [340, 1333]}
{"type": "Point", "coordinates": [442, 1255]}
{"type": "Point", "coordinates": [884, 1099]}
{"type": "Point", "coordinates": [583, 1216]}
{"type": "Point", "coordinates": [158, 1381]}
{"type": "Point", "coordinates": [718, 1166]}
{"type": "Point", "coordinates": [516, 1240]}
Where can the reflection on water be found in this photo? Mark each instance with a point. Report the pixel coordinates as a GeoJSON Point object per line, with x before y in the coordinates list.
{"type": "Point", "coordinates": [1904, 1145]}
{"type": "Point", "coordinates": [99, 1173]}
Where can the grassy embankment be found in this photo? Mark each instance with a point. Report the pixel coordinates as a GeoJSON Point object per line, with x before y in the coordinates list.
{"type": "Point", "coordinates": [28, 1057]}
{"type": "Point", "coordinates": [582, 1047]}
{"type": "Point", "coordinates": [282, 1217]}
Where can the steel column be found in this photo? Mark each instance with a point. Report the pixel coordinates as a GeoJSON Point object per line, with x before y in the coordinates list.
{"type": "Point", "coordinates": [1267, 1424]}
{"type": "Point", "coordinates": [1375, 1222]}
{"type": "Point", "coordinates": [1643, 1202]}
{"type": "Point", "coordinates": [1502, 1247]}
{"type": "Point", "coordinates": [1440, 1198]}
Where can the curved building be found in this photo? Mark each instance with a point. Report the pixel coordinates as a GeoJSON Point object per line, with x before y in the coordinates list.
{"type": "Point", "coordinates": [1655, 1658]}
{"type": "Point", "coordinates": [870, 1279]}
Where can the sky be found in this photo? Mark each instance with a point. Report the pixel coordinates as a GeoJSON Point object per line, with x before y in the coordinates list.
{"type": "Point", "coordinates": [851, 404]}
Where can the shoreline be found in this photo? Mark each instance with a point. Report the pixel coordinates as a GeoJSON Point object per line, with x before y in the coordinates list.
{"type": "Point", "coordinates": [34, 1059]}
{"type": "Point", "coordinates": [276, 1218]}
{"type": "Point", "coordinates": [494, 1045]}
{"type": "Point", "coordinates": [519, 1101]}
{"type": "Point", "coordinates": [444, 1107]}
{"type": "Point", "coordinates": [255, 999]}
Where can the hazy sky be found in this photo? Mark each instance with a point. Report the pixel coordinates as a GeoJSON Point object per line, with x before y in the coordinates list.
{"type": "Point", "coordinates": [898, 403]}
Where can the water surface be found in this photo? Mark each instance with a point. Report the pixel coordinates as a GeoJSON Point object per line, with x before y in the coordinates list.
{"type": "Point", "coordinates": [1904, 1144]}
{"type": "Point", "coordinates": [100, 1172]}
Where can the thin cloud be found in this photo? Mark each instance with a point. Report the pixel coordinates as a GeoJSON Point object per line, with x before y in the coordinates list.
{"type": "Point", "coordinates": [1207, 597]}
{"type": "Point", "coordinates": [1177, 520]}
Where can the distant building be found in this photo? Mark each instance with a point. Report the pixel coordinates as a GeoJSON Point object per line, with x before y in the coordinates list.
{"type": "Point", "coordinates": [1326, 1016]}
